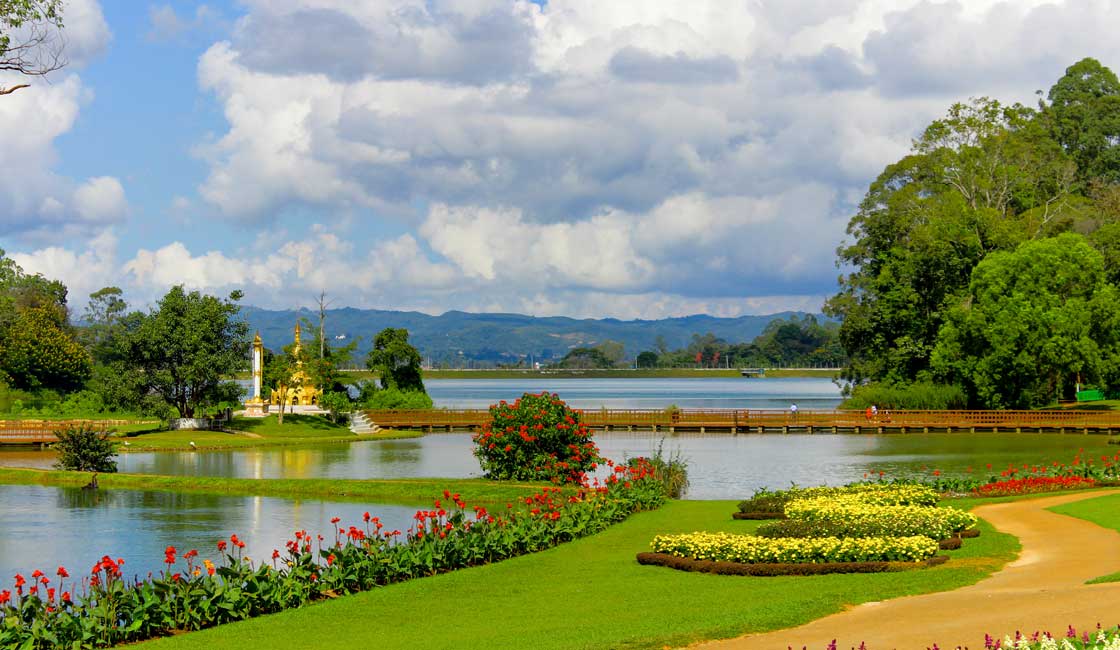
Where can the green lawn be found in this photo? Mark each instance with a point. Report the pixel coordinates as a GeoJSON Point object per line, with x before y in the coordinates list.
{"type": "Point", "coordinates": [592, 594]}
{"type": "Point", "coordinates": [1102, 511]}
{"type": "Point", "coordinates": [255, 432]}
{"type": "Point", "coordinates": [419, 491]}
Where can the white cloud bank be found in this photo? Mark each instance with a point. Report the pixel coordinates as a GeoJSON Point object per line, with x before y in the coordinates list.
{"type": "Point", "coordinates": [624, 158]}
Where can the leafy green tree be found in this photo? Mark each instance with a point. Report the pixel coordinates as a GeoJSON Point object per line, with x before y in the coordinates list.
{"type": "Point", "coordinates": [187, 345]}
{"type": "Point", "coordinates": [38, 351]}
{"type": "Point", "coordinates": [585, 358]}
{"type": "Point", "coordinates": [31, 40]}
{"type": "Point", "coordinates": [324, 362]}
{"type": "Point", "coordinates": [613, 351]}
{"type": "Point", "coordinates": [647, 359]}
{"type": "Point", "coordinates": [1037, 321]}
{"type": "Point", "coordinates": [84, 449]}
{"type": "Point", "coordinates": [1085, 110]}
{"type": "Point", "coordinates": [396, 361]}
{"type": "Point", "coordinates": [985, 178]}
{"type": "Point", "coordinates": [337, 404]}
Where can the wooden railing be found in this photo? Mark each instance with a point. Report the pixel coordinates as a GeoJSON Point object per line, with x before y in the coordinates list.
{"type": "Point", "coordinates": [43, 431]}
{"type": "Point", "coordinates": [769, 419]}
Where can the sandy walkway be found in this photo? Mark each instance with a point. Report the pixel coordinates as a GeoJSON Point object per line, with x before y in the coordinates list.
{"type": "Point", "coordinates": [1042, 590]}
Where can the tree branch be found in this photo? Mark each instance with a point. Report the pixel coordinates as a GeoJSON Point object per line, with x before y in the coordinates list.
{"type": "Point", "coordinates": [9, 91]}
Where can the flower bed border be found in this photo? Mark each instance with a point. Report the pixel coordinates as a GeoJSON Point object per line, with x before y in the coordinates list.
{"type": "Point", "coordinates": [781, 569]}
{"type": "Point", "coordinates": [758, 515]}
{"type": "Point", "coordinates": [950, 544]}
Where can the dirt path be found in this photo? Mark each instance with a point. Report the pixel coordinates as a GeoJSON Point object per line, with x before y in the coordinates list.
{"type": "Point", "coordinates": [1044, 589]}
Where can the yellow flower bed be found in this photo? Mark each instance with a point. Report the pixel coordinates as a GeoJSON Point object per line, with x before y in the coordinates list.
{"type": "Point", "coordinates": [883, 494]}
{"type": "Point", "coordinates": [750, 549]}
{"type": "Point", "coordinates": [869, 519]}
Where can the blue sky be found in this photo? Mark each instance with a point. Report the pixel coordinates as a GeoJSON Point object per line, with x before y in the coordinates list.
{"type": "Point", "coordinates": [639, 158]}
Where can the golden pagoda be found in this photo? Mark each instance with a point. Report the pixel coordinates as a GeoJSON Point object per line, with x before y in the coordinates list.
{"type": "Point", "coordinates": [301, 389]}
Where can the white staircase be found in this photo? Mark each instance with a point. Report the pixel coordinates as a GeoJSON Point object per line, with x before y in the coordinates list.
{"type": "Point", "coordinates": [360, 424]}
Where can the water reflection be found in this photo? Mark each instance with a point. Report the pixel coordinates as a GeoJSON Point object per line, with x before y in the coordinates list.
{"type": "Point", "coordinates": [721, 466]}
{"type": "Point", "coordinates": [46, 527]}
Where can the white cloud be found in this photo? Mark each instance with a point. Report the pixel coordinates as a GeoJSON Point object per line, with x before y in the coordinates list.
{"type": "Point", "coordinates": [83, 272]}
{"type": "Point", "coordinates": [36, 203]}
{"type": "Point", "coordinates": [100, 199]}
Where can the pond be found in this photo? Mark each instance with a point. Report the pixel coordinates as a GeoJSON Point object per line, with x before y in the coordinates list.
{"type": "Point", "coordinates": [721, 466]}
{"type": "Point", "coordinates": [47, 527]}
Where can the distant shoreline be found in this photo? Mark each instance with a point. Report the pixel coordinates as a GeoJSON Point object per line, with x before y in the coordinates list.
{"type": "Point", "coordinates": [613, 373]}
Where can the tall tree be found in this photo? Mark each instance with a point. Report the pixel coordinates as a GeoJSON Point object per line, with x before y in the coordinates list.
{"type": "Point", "coordinates": [984, 178]}
{"type": "Point", "coordinates": [38, 352]}
{"type": "Point", "coordinates": [31, 40]}
{"type": "Point", "coordinates": [396, 361]}
{"type": "Point", "coordinates": [1085, 111]}
{"type": "Point", "coordinates": [187, 345]}
{"type": "Point", "coordinates": [1037, 321]}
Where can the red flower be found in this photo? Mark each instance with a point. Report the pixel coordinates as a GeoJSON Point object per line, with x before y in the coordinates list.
{"type": "Point", "coordinates": [62, 572]}
{"type": "Point", "coordinates": [222, 544]}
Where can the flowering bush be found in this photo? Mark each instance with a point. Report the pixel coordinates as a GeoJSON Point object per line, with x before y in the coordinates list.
{"type": "Point", "coordinates": [749, 549]}
{"type": "Point", "coordinates": [100, 609]}
{"type": "Point", "coordinates": [867, 519]}
{"type": "Point", "coordinates": [1033, 485]}
{"type": "Point", "coordinates": [536, 438]}
{"type": "Point", "coordinates": [887, 494]}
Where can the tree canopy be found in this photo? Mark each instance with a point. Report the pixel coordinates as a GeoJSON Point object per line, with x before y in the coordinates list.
{"type": "Point", "coordinates": [187, 345]}
{"type": "Point", "coordinates": [978, 184]}
{"type": "Point", "coordinates": [396, 361]}
{"type": "Point", "coordinates": [31, 41]}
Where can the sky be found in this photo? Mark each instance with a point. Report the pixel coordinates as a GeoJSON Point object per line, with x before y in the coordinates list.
{"type": "Point", "coordinates": [625, 159]}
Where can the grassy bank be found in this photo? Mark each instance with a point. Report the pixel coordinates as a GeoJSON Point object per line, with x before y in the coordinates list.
{"type": "Point", "coordinates": [593, 594]}
{"type": "Point", "coordinates": [419, 491]}
{"type": "Point", "coordinates": [255, 432]}
{"type": "Point", "coordinates": [1102, 511]}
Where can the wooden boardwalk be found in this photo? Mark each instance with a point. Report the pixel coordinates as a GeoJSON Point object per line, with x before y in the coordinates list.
{"type": "Point", "coordinates": [738, 421]}
{"type": "Point", "coordinates": [41, 432]}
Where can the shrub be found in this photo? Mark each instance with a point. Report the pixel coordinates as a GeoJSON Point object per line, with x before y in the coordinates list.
{"type": "Point", "coordinates": [535, 438]}
{"type": "Point", "coordinates": [394, 398]}
{"type": "Point", "coordinates": [83, 449]}
{"type": "Point", "coordinates": [338, 405]}
{"type": "Point", "coordinates": [750, 549]}
{"type": "Point", "coordinates": [780, 569]}
{"type": "Point", "coordinates": [672, 471]}
{"type": "Point", "coordinates": [916, 396]}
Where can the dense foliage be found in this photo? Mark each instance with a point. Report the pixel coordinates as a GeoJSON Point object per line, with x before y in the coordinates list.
{"type": "Point", "coordinates": [790, 342]}
{"type": "Point", "coordinates": [536, 438]}
{"type": "Point", "coordinates": [991, 184]}
{"type": "Point", "coordinates": [102, 609]}
{"type": "Point", "coordinates": [396, 361]}
{"type": "Point", "coordinates": [186, 347]}
{"type": "Point", "coordinates": [85, 449]}
{"type": "Point", "coordinates": [393, 398]}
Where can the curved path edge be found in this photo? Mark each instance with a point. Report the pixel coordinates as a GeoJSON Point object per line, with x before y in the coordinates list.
{"type": "Point", "coordinates": [1043, 589]}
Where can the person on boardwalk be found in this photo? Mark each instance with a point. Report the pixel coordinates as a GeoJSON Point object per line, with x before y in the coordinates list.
{"type": "Point", "coordinates": [874, 411]}
{"type": "Point", "coordinates": [867, 413]}
{"type": "Point", "coordinates": [793, 412]}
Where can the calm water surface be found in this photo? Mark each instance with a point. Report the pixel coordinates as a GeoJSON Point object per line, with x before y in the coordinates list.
{"type": "Point", "coordinates": [45, 527]}
{"type": "Point", "coordinates": [721, 466]}
{"type": "Point", "coordinates": [716, 392]}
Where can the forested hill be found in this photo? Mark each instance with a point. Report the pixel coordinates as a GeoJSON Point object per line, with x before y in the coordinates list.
{"type": "Point", "coordinates": [502, 338]}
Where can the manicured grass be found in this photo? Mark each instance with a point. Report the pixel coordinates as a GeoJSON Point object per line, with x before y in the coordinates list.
{"type": "Point", "coordinates": [256, 432]}
{"type": "Point", "coordinates": [1102, 511]}
{"type": "Point", "coordinates": [419, 491]}
{"type": "Point", "coordinates": [592, 594]}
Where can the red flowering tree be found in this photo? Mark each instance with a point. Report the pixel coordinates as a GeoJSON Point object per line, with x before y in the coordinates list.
{"type": "Point", "coordinates": [535, 438]}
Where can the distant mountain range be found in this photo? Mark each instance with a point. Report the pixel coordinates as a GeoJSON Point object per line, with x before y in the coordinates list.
{"type": "Point", "coordinates": [503, 338]}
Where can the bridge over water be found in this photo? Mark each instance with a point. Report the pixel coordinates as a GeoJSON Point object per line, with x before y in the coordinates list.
{"type": "Point", "coordinates": [743, 421]}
